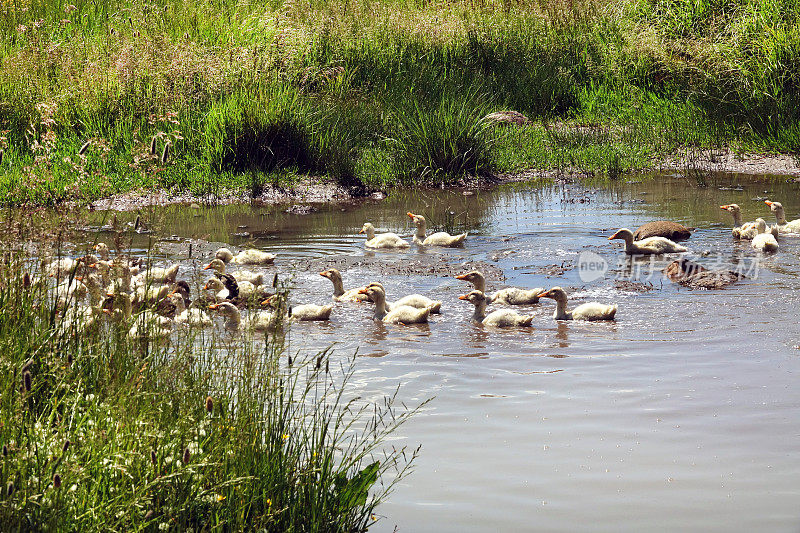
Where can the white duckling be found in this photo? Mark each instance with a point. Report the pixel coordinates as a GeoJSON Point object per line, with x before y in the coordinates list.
{"type": "Point", "coordinates": [224, 255]}
{"type": "Point", "coordinates": [418, 301]}
{"type": "Point", "coordinates": [339, 294]}
{"type": "Point", "coordinates": [764, 241]}
{"type": "Point", "coordinates": [400, 314]}
{"type": "Point", "coordinates": [122, 307]}
{"type": "Point", "coordinates": [251, 256]}
{"type": "Point", "coordinates": [744, 231]}
{"type": "Point", "coordinates": [384, 240]}
{"type": "Point", "coordinates": [94, 287]}
{"type": "Point", "coordinates": [257, 320]}
{"type": "Point", "coordinates": [437, 239]}
{"type": "Point", "coordinates": [192, 316]}
{"type": "Point", "coordinates": [780, 216]}
{"type": "Point", "coordinates": [161, 275]}
{"type": "Point", "coordinates": [502, 318]}
{"type": "Point", "coordinates": [70, 291]}
{"type": "Point", "coordinates": [256, 278]}
{"type": "Point", "coordinates": [650, 245]}
{"type": "Point", "coordinates": [217, 288]}
{"type": "Point", "coordinates": [507, 296]}
{"type": "Point", "coordinates": [304, 312]}
{"type": "Point", "coordinates": [150, 294]}
{"type": "Point", "coordinates": [61, 267]}
{"type": "Point", "coordinates": [587, 311]}
{"type": "Point", "coordinates": [103, 251]}
{"type": "Point", "coordinates": [150, 325]}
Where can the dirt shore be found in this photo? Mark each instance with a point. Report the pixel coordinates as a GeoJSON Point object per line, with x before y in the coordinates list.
{"type": "Point", "coordinates": [317, 190]}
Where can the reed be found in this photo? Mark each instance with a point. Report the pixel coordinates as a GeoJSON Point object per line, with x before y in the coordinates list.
{"type": "Point", "coordinates": [204, 431]}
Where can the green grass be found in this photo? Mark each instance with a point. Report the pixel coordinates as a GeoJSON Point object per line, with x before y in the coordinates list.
{"type": "Point", "coordinates": [377, 92]}
{"type": "Point", "coordinates": [100, 431]}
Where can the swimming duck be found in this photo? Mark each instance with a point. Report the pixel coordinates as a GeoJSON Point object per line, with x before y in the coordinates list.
{"type": "Point", "coordinates": [502, 318]}
{"type": "Point", "coordinates": [780, 216]}
{"type": "Point", "coordinates": [150, 325]}
{"type": "Point", "coordinates": [339, 294]}
{"type": "Point", "coordinates": [662, 228]}
{"type": "Point", "coordinates": [650, 245]}
{"type": "Point", "coordinates": [191, 316]}
{"type": "Point", "coordinates": [251, 256]}
{"type": "Point", "coordinates": [693, 275]}
{"type": "Point", "coordinates": [224, 255]}
{"type": "Point", "coordinates": [383, 240]}
{"type": "Point", "coordinates": [304, 312]}
{"type": "Point", "coordinates": [400, 314]}
{"type": "Point", "coordinates": [587, 311]}
{"type": "Point", "coordinates": [437, 239]}
{"type": "Point", "coordinates": [412, 300]}
{"type": "Point", "coordinates": [765, 241]}
{"type": "Point", "coordinates": [743, 231]}
{"type": "Point", "coordinates": [507, 296]}
{"type": "Point", "coordinates": [218, 289]}
{"type": "Point", "coordinates": [161, 275]}
{"type": "Point", "coordinates": [61, 267]}
{"type": "Point", "coordinates": [256, 278]}
{"type": "Point", "coordinates": [257, 320]}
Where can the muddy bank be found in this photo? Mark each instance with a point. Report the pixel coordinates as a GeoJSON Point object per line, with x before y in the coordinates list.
{"type": "Point", "coordinates": [319, 190]}
{"type": "Point", "coordinates": [724, 160]}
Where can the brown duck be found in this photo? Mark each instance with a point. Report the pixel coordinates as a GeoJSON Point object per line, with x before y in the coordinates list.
{"type": "Point", "coordinates": [663, 228]}
{"type": "Point", "coordinates": [693, 275]}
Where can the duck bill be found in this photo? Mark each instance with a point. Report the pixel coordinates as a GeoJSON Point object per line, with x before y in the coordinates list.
{"type": "Point", "coordinates": [461, 277]}
{"type": "Point", "coordinates": [615, 236]}
{"type": "Point", "coordinates": [545, 294]}
{"type": "Point", "coordinates": [324, 274]}
{"type": "Point", "coordinates": [363, 291]}
{"type": "Point", "coordinates": [207, 266]}
{"type": "Point", "coordinates": [361, 231]}
{"type": "Point", "coordinates": [768, 203]}
{"type": "Point", "coordinates": [267, 301]}
{"type": "Point", "coordinates": [213, 306]}
{"type": "Point", "coordinates": [410, 214]}
{"type": "Point", "coordinates": [724, 207]}
{"type": "Point", "coordinates": [464, 297]}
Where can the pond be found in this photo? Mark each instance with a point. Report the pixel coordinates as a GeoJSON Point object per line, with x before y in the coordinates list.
{"type": "Point", "coordinates": [682, 414]}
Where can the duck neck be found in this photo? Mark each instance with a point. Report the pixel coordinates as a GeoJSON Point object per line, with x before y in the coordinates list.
{"type": "Point", "coordinates": [338, 287]}
{"type": "Point", "coordinates": [780, 216]}
{"type": "Point", "coordinates": [480, 311]}
{"type": "Point", "coordinates": [480, 283]}
{"type": "Point", "coordinates": [419, 234]}
{"type": "Point", "coordinates": [561, 311]}
{"type": "Point", "coordinates": [370, 231]}
{"type": "Point", "coordinates": [629, 246]}
{"type": "Point", "coordinates": [737, 218]}
{"type": "Point", "coordinates": [380, 305]}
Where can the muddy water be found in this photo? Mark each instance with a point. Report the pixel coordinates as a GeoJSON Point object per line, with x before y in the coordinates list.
{"type": "Point", "coordinates": [684, 414]}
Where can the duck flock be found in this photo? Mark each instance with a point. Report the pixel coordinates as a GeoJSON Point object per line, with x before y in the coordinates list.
{"type": "Point", "coordinates": [153, 301]}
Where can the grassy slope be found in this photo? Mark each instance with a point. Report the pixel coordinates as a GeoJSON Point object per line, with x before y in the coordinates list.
{"type": "Point", "coordinates": [380, 91]}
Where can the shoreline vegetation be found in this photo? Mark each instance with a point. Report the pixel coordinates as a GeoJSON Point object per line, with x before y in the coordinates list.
{"type": "Point", "coordinates": [203, 97]}
{"type": "Point", "coordinates": [107, 422]}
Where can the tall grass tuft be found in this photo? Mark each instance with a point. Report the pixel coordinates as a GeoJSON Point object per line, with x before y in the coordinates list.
{"type": "Point", "coordinates": [442, 143]}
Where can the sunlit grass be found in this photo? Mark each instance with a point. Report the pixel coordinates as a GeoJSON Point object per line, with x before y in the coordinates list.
{"type": "Point", "coordinates": [343, 89]}
{"type": "Point", "coordinates": [209, 430]}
